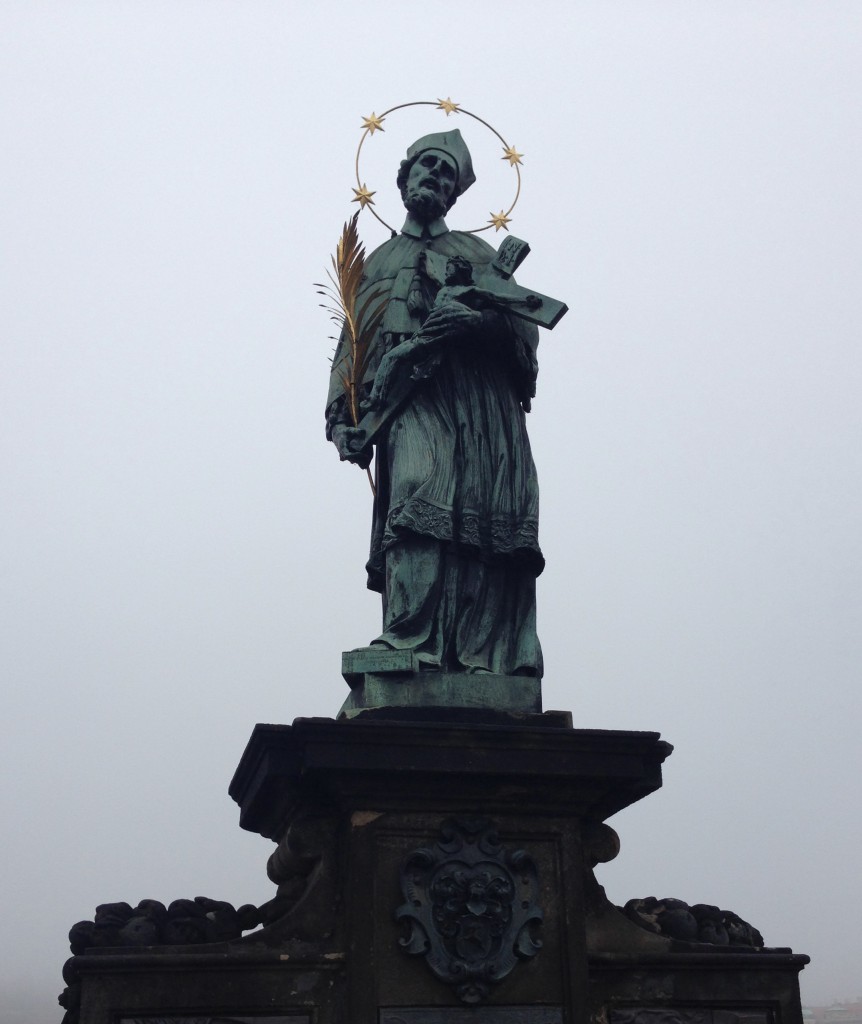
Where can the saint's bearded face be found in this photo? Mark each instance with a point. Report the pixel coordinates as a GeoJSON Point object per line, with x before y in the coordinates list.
{"type": "Point", "coordinates": [430, 185]}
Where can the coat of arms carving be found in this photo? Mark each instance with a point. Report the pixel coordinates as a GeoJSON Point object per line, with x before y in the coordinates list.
{"type": "Point", "coordinates": [471, 906]}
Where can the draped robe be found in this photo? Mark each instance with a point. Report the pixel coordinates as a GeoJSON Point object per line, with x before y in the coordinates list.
{"type": "Point", "coordinates": [454, 541]}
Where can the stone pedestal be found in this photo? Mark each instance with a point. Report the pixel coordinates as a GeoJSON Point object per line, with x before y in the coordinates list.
{"type": "Point", "coordinates": [440, 872]}
{"type": "Point", "coordinates": [387, 789]}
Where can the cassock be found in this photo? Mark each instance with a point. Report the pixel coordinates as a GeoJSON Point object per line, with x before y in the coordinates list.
{"type": "Point", "coordinates": [454, 541]}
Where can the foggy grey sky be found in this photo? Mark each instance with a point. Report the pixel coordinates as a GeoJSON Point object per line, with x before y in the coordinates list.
{"type": "Point", "coordinates": [183, 553]}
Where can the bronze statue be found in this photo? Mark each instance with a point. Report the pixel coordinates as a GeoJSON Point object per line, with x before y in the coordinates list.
{"type": "Point", "coordinates": [450, 372]}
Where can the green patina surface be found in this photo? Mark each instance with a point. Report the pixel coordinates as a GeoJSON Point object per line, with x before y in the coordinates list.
{"type": "Point", "coordinates": [452, 370]}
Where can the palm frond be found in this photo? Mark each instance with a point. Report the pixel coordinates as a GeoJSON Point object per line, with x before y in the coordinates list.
{"type": "Point", "coordinates": [358, 326]}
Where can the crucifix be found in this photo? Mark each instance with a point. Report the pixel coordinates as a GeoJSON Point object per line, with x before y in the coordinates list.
{"type": "Point", "coordinates": [459, 281]}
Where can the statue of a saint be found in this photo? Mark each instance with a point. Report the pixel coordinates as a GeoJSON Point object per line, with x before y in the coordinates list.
{"type": "Point", "coordinates": [454, 544]}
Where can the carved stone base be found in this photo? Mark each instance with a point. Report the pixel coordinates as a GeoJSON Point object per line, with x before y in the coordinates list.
{"type": "Point", "coordinates": [450, 690]}
{"type": "Point", "coordinates": [380, 678]}
{"type": "Point", "coordinates": [440, 872]}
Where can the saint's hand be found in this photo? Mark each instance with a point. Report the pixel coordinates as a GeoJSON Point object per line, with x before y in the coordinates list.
{"type": "Point", "coordinates": [352, 446]}
{"type": "Point", "coordinates": [451, 318]}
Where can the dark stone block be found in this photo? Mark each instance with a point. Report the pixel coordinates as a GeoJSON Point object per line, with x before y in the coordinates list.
{"type": "Point", "coordinates": [433, 867]}
{"type": "Point", "coordinates": [476, 1015]}
{"type": "Point", "coordinates": [263, 985]}
{"type": "Point", "coordinates": [221, 1019]}
{"type": "Point", "coordinates": [445, 765]}
{"type": "Point", "coordinates": [689, 987]}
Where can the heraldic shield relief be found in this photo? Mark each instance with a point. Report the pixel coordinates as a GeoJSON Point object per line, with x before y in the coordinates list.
{"type": "Point", "coordinates": [471, 906]}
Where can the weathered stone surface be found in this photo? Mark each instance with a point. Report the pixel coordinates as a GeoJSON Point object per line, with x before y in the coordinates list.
{"type": "Point", "coordinates": [232, 1019]}
{"type": "Point", "coordinates": [471, 906]}
{"type": "Point", "coordinates": [369, 870]}
{"type": "Point", "coordinates": [151, 923]}
{"type": "Point", "coordinates": [212, 985]}
{"type": "Point", "coordinates": [699, 923]}
{"type": "Point", "coordinates": [485, 691]}
{"type": "Point", "coordinates": [693, 987]}
{"type": "Point", "coordinates": [396, 765]}
{"type": "Point", "coordinates": [680, 1015]}
{"type": "Point", "coordinates": [474, 1015]}
{"type": "Point", "coordinates": [376, 660]}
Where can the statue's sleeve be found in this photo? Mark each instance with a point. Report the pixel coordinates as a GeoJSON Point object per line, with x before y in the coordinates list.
{"type": "Point", "coordinates": [526, 344]}
{"type": "Point", "coordinates": [517, 341]}
{"type": "Point", "coordinates": [336, 401]}
{"type": "Point", "coordinates": [383, 272]}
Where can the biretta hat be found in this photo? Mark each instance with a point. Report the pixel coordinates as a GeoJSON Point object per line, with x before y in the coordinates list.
{"type": "Point", "coordinates": [454, 146]}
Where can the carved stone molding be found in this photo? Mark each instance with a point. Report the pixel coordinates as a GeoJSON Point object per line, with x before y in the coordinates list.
{"type": "Point", "coordinates": [472, 1015]}
{"type": "Point", "coordinates": [689, 1015]}
{"type": "Point", "coordinates": [701, 922]}
{"type": "Point", "coordinates": [227, 1018]}
{"type": "Point", "coordinates": [471, 906]}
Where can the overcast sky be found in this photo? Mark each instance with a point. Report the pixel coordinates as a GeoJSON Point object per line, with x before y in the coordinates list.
{"type": "Point", "coordinates": [183, 553]}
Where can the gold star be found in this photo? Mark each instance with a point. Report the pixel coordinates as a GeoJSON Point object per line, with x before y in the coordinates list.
{"type": "Point", "coordinates": [512, 155]}
{"type": "Point", "coordinates": [363, 197]}
{"type": "Point", "coordinates": [373, 123]}
{"type": "Point", "coordinates": [500, 220]}
{"type": "Point", "coordinates": [448, 106]}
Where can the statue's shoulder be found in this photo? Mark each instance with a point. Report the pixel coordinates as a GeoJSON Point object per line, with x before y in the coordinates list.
{"type": "Point", "coordinates": [387, 259]}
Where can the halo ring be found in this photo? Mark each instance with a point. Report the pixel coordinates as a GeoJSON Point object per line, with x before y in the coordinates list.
{"type": "Point", "coordinates": [369, 130]}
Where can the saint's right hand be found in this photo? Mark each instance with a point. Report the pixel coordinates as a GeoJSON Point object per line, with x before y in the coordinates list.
{"type": "Point", "coordinates": [451, 318]}
{"type": "Point", "coordinates": [350, 442]}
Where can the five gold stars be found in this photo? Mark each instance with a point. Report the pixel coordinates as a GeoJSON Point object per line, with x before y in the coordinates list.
{"type": "Point", "coordinates": [447, 105]}
{"type": "Point", "coordinates": [363, 197]}
{"type": "Point", "coordinates": [500, 220]}
{"type": "Point", "coordinates": [373, 123]}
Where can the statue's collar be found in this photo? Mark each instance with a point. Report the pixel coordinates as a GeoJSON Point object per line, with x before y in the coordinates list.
{"type": "Point", "coordinates": [417, 229]}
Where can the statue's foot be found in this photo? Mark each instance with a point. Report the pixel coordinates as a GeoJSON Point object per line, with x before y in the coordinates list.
{"type": "Point", "coordinates": [376, 647]}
